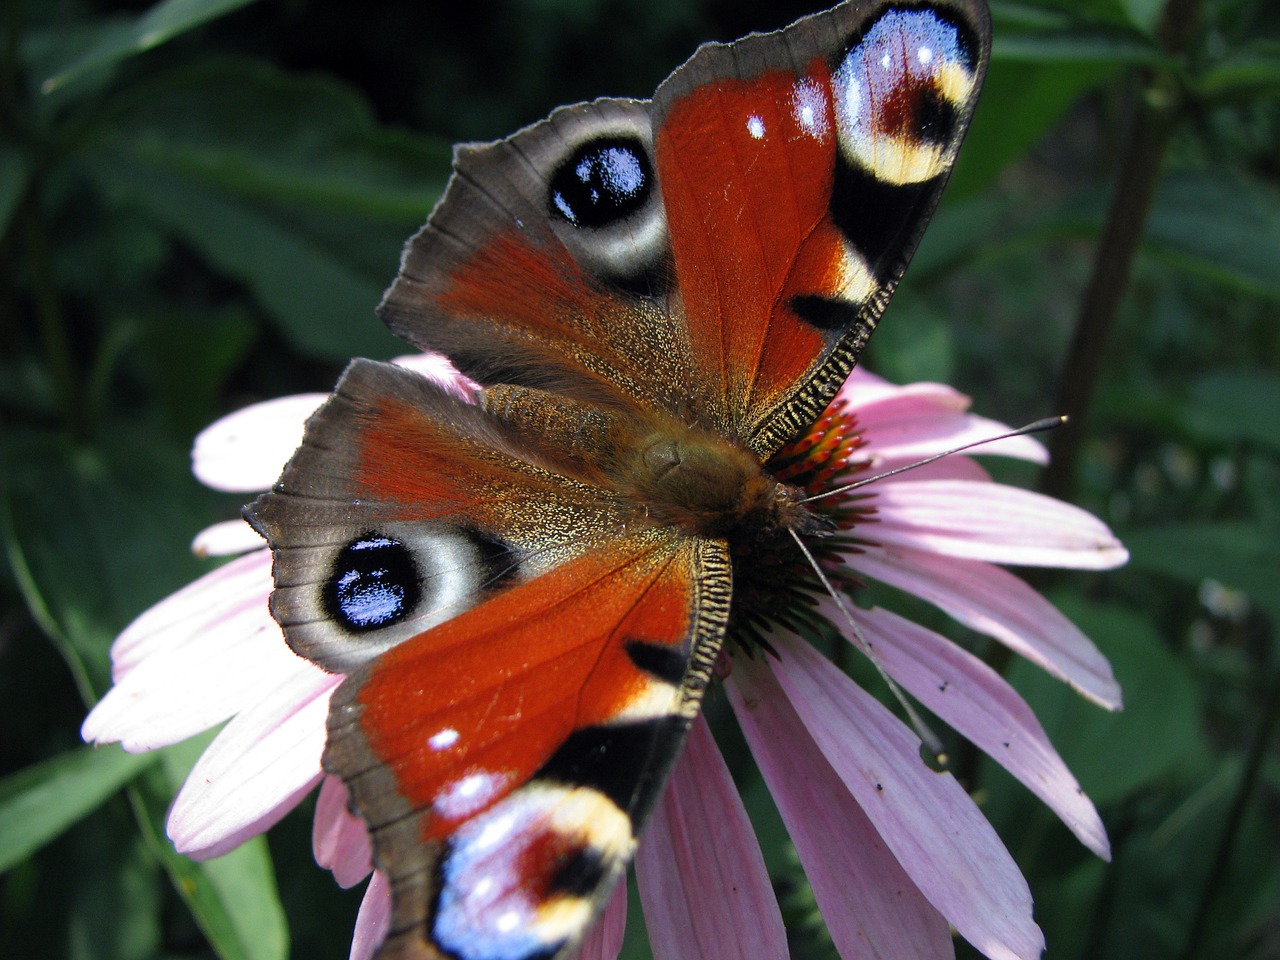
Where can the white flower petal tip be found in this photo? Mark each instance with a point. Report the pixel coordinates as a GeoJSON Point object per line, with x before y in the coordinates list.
{"type": "Point", "coordinates": [226, 539]}
{"type": "Point", "coordinates": [195, 659]}
{"type": "Point", "coordinates": [256, 770]}
{"type": "Point", "coordinates": [437, 368]}
{"type": "Point", "coordinates": [374, 919]}
{"type": "Point", "coordinates": [992, 522]}
{"type": "Point", "coordinates": [245, 451]}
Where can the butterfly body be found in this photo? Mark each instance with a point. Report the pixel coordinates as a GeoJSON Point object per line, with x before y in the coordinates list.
{"type": "Point", "coordinates": [527, 586]}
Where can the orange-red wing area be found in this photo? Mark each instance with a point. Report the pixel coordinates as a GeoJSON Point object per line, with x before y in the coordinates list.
{"type": "Point", "coordinates": [470, 710]}
{"type": "Point", "coordinates": [747, 170]}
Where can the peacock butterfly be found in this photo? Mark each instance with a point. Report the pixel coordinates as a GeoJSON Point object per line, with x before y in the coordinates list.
{"type": "Point", "coordinates": [527, 589]}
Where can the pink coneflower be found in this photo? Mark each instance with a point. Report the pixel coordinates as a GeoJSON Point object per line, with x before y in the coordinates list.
{"type": "Point", "coordinates": [896, 853]}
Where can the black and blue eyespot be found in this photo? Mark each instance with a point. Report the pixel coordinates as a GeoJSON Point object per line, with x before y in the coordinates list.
{"type": "Point", "coordinates": [375, 583]}
{"type": "Point", "coordinates": [601, 182]}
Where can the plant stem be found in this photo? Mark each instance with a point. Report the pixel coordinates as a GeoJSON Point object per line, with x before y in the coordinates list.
{"type": "Point", "coordinates": [1214, 880]}
{"type": "Point", "coordinates": [1139, 174]}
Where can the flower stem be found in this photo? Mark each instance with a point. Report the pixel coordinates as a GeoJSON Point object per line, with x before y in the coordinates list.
{"type": "Point", "coordinates": [1137, 179]}
{"type": "Point", "coordinates": [1214, 880]}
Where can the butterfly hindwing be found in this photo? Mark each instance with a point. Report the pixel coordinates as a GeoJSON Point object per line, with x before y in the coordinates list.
{"type": "Point", "coordinates": [506, 759]}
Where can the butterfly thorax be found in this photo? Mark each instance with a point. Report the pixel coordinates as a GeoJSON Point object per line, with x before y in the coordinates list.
{"type": "Point", "coordinates": [690, 478]}
{"type": "Point", "coordinates": [669, 472]}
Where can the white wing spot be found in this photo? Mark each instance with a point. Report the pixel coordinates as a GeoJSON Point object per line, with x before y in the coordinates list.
{"type": "Point", "coordinates": [755, 127]}
{"type": "Point", "coordinates": [443, 739]}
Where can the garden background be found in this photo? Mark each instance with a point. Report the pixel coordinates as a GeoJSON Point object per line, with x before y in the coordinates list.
{"type": "Point", "coordinates": [202, 200]}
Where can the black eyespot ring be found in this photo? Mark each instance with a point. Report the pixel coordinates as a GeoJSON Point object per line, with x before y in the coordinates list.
{"type": "Point", "coordinates": [374, 584]}
{"type": "Point", "coordinates": [602, 182]}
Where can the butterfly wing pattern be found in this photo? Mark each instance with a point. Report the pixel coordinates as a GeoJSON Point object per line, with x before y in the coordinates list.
{"type": "Point", "coordinates": [527, 589]}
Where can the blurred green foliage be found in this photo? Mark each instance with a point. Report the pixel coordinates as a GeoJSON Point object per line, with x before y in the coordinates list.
{"type": "Point", "coordinates": [201, 201]}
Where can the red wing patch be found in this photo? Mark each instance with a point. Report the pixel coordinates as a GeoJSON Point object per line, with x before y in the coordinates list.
{"type": "Point", "coordinates": [747, 169]}
{"type": "Point", "coordinates": [549, 715]}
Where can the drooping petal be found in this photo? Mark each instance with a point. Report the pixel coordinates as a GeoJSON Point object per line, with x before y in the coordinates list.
{"type": "Point", "coordinates": [926, 819]}
{"type": "Point", "coordinates": [995, 602]}
{"type": "Point", "coordinates": [604, 940]}
{"type": "Point", "coordinates": [979, 704]}
{"type": "Point", "coordinates": [374, 919]}
{"type": "Point", "coordinates": [245, 451]}
{"type": "Point", "coordinates": [339, 839]}
{"type": "Point", "coordinates": [226, 539]}
{"type": "Point", "coordinates": [871, 907]}
{"type": "Point", "coordinates": [989, 521]}
{"type": "Point", "coordinates": [702, 878]}
{"type": "Point", "coordinates": [195, 659]}
{"type": "Point", "coordinates": [256, 770]}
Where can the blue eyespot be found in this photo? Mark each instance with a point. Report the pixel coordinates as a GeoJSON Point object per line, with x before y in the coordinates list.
{"type": "Point", "coordinates": [374, 584]}
{"type": "Point", "coordinates": [601, 182]}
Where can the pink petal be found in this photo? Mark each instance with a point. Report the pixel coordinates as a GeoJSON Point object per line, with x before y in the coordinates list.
{"type": "Point", "coordinates": [604, 940]}
{"type": "Point", "coordinates": [989, 521]}
{"type": "Point", "coordinates": [923, 420]}
{"type": "Point", "coordinates": [437, 368]}
{"type": "Point", "coordinates": [256, 770]}
{"type": "Point", "coordinates": [999, 604]}
{"type": "Point", "coordinates": [926, 819]}
{"type": "Point", "coordinates": [339, 839]}
{"type": "Point", "coordinates": [702, 878]}
{"type": "Point", "coordinates": [182, 617]}
{"type": "Point", "coordinates": [246, 450]}
{"type": "Point", "coordinates": [194, 660]}
{"type": "Point", "coordinates": [374, 919]}
{"type": "Point", "coordinates": [978, 703]}
{"type": "Point", "coordinates": [864, 390]}
{"type": "Point", "coordinates": [871, 907]}
{"type": "Point", "coordinates": [949, 468]}
{"type": "Point", "coordinates": [226, 538]}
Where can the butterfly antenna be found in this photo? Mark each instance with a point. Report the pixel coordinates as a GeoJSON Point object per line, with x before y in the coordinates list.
{"type": "Point", "coordinates": [1039, 426]}
{"type": "Point", "coordinates": [930, 739]}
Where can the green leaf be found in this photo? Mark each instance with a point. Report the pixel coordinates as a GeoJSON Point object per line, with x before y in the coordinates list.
{"type": "Point", "coordinates": [232, 898]}
{"type": "Point", "coordinates": [1156, 736]}
{"type": "Point", "coordinates": [1244, 555]}
{"type": "Point", "coordinates": [1242, 73]}
{"type": "Point", "coordinates": [1227, 228]}
{"type": "Point", "coordinates": [158, 25]}
{"type": "Point", "coordinates": [284, 183]}
{"type": "Point", "coordinates": [1110, 48]}
{"type": "Point", "coordinates": [98, 533]}
{"type": "Point", "coordinates": [1236, 407]}
{"type": "Point", "coordinates": [1144, 14]}
{"type": "Point", "coordinates": [37, 804]}
{"type": "Point", "coordinates": [1020, 103]}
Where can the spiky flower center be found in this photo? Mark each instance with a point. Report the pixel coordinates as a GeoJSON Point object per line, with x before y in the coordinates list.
{"type": "Point", "coordinates": [775, 585]}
